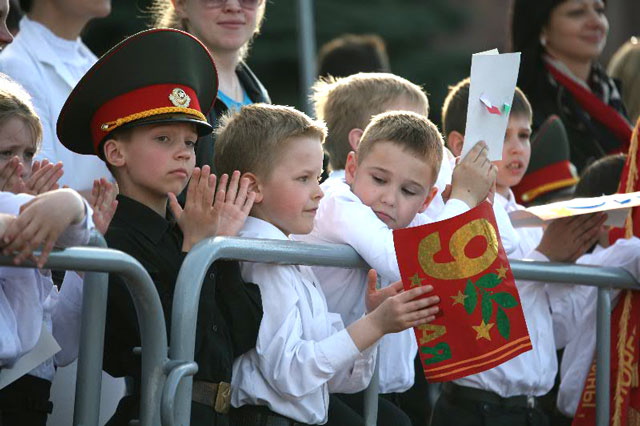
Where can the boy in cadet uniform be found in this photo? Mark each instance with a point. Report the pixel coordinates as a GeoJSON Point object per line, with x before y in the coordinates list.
{"type": "Point", "coordinates": [303, 351]}
{"type": "Point", "coordinates": [510, 393]}
{"type": "Point", "coordinates": [142, 110]}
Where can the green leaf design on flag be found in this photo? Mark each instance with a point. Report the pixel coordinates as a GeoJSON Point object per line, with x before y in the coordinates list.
{"type": "Point", "coordinates": [504, 328]}
{"type": "Point", "coordinates": [487, 307]}
{"type": "Point", "coordinates": [471, 300]}
{"type": "Point", "coordinates": [488, 281]}
{"type": "Point", "coordinates": [505, 300]}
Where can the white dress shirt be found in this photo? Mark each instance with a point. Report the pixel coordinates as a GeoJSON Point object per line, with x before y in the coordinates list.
{"type": "Point", "coordinates": [343, 219]}
{"type": "Point", "coordinates": [580, 350]}
{"type": "Point", "coordinates": [49, 67]}
{"type": "Point", "coordinates": [28, 299]}
{"type": "Point", "coordinates": [303, 351]}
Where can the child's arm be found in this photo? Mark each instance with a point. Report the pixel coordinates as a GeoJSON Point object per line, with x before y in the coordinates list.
{"type": "Point", "coordinates": [473, 176]}
{"type": "Point", "coordinates": [36, 225]}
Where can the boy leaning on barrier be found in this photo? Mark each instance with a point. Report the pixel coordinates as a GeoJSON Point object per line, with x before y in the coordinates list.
{"type": "Point", "coordinates": [509, 394]}
{"type": "Point", "coordinates": [303, 351]}
{"type": "Point", "coordinates": [142, 110]}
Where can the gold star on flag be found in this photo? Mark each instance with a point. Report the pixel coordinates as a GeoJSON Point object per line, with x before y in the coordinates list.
{"type": "Point", "coordinates": [482, 330]}
{"type": "Point", "coordinates": [416, 281]}
{"type": "Point", "coordinates": [502, 272]}
{"type": "Point", "coordinates": [458, 298]}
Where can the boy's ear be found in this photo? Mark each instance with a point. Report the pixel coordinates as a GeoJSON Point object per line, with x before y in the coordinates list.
{"type": "Point", "coordinates": [351, 167]}
{"type": "Point", "coordinates": [254, 185]}
{"type": "Point", "coordinates": [354, 138]}
{"type": "Point", "coordinates": [454, 142]}
{"type": "Point", "coordinates": [430, 196]}
{"type": "Point", "coordinates": [113, 153]}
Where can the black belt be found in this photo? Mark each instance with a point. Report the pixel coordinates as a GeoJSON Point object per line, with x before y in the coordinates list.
{"type": "Point", "coordinates": [457, 392]}
{"type": "Point", "coordinates": [258, 415]}
{"type": "Point", "coordinates": [28, 393]}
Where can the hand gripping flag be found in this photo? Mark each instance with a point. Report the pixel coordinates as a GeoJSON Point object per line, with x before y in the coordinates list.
{"type": "Point", "coordinates": [481, 323]}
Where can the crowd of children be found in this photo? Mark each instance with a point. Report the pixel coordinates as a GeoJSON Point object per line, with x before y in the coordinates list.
{"type": "Point", "coordinates": [280, 344]}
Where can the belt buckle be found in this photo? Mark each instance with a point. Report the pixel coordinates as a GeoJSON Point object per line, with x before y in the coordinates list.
{"type": "Point", "coordinates": [531, 401]}
{"type": "Point", "coordinates": [223, 398]}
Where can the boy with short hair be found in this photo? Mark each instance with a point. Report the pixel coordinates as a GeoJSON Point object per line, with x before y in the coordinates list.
{"type": "Point", "coordinates": [509, 394]}
{"type": "Point", "coordinates": [142, 115]}
{"type": "Point", "coordinates": [303, 351]}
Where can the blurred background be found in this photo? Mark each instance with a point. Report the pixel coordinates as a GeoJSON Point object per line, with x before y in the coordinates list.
{"type": "Point", "coordinates": [428, 41]}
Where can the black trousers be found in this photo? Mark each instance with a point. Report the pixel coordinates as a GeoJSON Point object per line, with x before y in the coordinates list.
{"type": "Point", "coordinates": [456, 412]}
{"type": "Point", "coordinates": [201, 415]}
{"type": "Point", "coordinates": [25, 402]}
{"type": "Point", "coordinates": [347, 409]}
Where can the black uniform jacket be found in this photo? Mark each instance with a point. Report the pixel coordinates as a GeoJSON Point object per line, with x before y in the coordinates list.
{"type": "Point", "coordinates": [229, 313]}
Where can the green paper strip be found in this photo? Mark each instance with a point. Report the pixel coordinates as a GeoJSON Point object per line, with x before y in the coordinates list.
{"type": "Point", "coordinates": [506, 107]}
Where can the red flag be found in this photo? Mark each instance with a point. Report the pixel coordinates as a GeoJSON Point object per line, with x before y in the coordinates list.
{"type": "Point", "coordinates": [481, 323]}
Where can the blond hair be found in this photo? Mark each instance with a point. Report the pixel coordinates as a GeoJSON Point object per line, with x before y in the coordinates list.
{"type": "Point", "coordinates": [350, 102]}
{"type": "Point", "coordinates": [411, 132]}
{"type": "Point", "coordinates": [16, 102]}
{"type": "Point", "coordinates": [625, 66]}
{"type": "Point", "coordinates": [252, 139]}
{"type": "Point", "coordinates": [164, 15]}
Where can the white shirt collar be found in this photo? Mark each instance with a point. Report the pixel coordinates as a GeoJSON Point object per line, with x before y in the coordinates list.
{"type": "Point", "coordinates": [258, 228]}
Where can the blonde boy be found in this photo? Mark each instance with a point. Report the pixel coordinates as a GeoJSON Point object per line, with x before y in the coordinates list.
{"type": "Point", "coordinates": [347, 105]}
{"type": "Point", "coordinates": [303, 352]}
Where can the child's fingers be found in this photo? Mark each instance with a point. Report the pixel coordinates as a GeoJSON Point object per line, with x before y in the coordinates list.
{"type": "Point", "coordinates": [203, 185]}
{"type": "Point", "coordinates": [479, 151]}
{"type": "Point", "coordinates": [192, 187]}
{"type": "Point", "coordinates": [211, 192]}
{"type": "Point", "coordinates": [372, 281]}
{"type": "Point", "coordinates": [407, 296]}
{"type": "Point", "coordinates": [232, 189]}
{"type": "Point", "coordinates": [397, 286]}
{"type": "Point", "coordinates": [174, 206]}
{"type": "Point", "coordinates": [248, 204]}
{"type": "Point", "coordinates": [222, 188]}
{"type": "Point", "coordinates": [241, 198]}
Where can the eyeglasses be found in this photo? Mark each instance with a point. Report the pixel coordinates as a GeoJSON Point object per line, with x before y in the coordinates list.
{"type": "Point", "coordinates": [245, 4]}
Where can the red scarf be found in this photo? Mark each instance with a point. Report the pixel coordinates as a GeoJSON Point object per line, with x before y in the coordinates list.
{"type": "Point", "coordinates": [595, 107]}
{"type": "Point", "coordinates": [625, 327]}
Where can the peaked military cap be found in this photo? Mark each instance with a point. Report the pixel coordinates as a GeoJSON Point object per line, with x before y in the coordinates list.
{"type": "Point", "coordinates": [550, 170]}
{"type": "Point", "coordinates": [155, 76]}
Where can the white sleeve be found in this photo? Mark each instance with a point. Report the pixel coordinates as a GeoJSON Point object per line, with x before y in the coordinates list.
{"type": "Point", "coordinates": [282, 352]}
{"type": "Point", "coordinates": [23, 299]}
{"type": "Point", "coordinates": [66, 318]}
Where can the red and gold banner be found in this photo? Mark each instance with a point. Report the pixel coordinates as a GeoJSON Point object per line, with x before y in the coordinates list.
{"type": "Point", "coordinates": [481, 323]}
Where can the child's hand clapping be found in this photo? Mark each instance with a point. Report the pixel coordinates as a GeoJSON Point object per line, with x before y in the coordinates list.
{"type": "Point", "coordinates": [200, 217]}
{"type": "Point", "coordinates": [44, 177]}
{"type": "Point", "coordinates": [474, 176]}
{"type": "Point", "coordinates": [566, 239]}
{"type": "Point", "coordinates": [237, 204]}
{"type": "Point", "coordinates": [11, 176]}
{"type": "Point", "coordinates": [103, 202]}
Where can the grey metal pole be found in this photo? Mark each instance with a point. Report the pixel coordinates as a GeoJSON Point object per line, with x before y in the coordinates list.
{"type": "Point", "coordinates": [86, 409]}
{"type": "Point", "coordinates": [603, 356]}
{"type": "Point", "coordinates": [148, 309]}
{"type": "Point", "coordinates": [306, 51]}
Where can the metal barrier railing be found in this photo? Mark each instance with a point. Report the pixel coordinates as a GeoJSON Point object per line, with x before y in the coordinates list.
{"type": "Point", "coordinates": [200, 258]}
{"type": "Point", "coordinates": [97, 262]}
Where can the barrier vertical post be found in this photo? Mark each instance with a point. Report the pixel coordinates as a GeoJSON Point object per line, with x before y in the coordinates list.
{"type": "Point", "coordinates": [89, 376]}
{"type": "Point", "coordinates": [603, 356]}
{"type": "Point", "coordinates": [371, 396]}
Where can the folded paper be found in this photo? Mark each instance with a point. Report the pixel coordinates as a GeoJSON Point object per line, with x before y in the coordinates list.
{"type": "Point", "coordinates": [493, 82]}
{"type": "Point", "coordinates": [481, 324]}
{"type": "Point", "coordinates": [616, 206]}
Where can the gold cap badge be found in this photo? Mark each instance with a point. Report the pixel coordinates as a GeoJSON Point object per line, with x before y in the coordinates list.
{"type": "Point", "coordinates": [179, 98]}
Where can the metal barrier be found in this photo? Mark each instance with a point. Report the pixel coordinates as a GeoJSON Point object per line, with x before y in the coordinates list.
{"type": "Point", "coordinates": [98, 262]}
{"type": "Point", "coordinates": [200, 258]}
